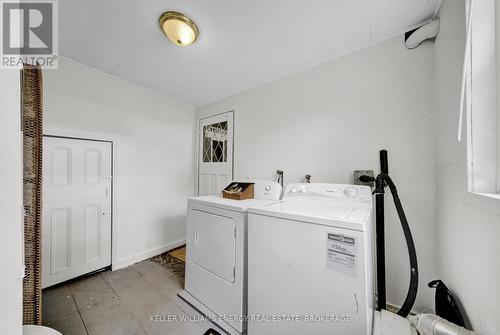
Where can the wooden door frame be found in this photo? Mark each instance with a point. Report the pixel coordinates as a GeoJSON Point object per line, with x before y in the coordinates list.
{"type": "Point", "coordinates": [198, 152]}
{"type": "Point", "coordinates": [75, 135]}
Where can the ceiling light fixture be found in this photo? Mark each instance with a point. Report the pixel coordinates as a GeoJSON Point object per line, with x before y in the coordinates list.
{"type": "Point", "coordinates": [179, 29]}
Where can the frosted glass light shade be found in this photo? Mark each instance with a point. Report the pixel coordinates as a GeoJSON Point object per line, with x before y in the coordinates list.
{"type": "Point", "coordinates": [179, 28]}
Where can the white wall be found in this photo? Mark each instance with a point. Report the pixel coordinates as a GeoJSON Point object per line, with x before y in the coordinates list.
{"type": "Point", "coordinates": [153, 141]}
{"type": "Point", "coordinates": [11, 204]}
{"type": "Point", "coordinates": [467, 236]}
{"type": "Point", "coordinates": [334, 118]}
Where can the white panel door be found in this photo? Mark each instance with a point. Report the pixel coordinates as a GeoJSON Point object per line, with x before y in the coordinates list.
{"type": "Point", "coordinates": [76, 221]}
{"type": "Point", "coordinates": [215, 167]}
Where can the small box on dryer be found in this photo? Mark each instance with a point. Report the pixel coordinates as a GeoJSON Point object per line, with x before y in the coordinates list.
{"type": "Point", "coordinates": [239, 191]}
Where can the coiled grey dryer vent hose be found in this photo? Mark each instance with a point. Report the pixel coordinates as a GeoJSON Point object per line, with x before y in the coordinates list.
{"type": "Point", "coordinates": [430, 324]}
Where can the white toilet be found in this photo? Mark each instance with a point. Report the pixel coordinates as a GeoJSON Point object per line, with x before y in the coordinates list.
{"type": "Point", "coordinates": [39, 330]}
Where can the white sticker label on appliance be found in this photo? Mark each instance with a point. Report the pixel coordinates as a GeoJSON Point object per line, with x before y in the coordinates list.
{"type": "Point", "coordinates": [341, 253]}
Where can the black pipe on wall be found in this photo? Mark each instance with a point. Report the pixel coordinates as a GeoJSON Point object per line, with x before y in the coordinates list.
{"type": "Point", "coordinates": [380, 232]}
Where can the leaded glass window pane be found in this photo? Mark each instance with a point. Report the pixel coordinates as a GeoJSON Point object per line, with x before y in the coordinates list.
{"type": "Point", "coordinates": [215, 143]}
{"type": "Point", "coordinates": [207, 157]}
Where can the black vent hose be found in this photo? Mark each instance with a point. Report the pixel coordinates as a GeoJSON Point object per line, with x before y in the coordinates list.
{"type": "Point", "coordinates": [413, 287]}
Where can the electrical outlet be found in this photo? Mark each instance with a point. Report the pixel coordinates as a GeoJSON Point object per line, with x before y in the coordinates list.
{"type": "Point", "coordinates": [359, 173]}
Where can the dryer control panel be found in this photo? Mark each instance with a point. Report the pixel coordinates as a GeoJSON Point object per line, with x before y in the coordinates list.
{"type": "Point", "coordinates": [336, 191]}
{"type": "Point", "coordinates": [265, 189]}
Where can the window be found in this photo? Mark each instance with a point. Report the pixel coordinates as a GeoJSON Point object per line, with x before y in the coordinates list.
{"type": "Point", "coordinates": [481, 98]}
{"type": "Point", "coordinates": [215, 143]}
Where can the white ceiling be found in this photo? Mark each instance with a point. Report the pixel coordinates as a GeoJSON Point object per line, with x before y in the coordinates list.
{"type": "Point", "coordinates": [242, 44]}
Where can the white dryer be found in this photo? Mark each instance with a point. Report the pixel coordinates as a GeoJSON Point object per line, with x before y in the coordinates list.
{"type": "Point", "coordinates": [216, 282]}
{"type": "Point", "coordinates": [310, 262]}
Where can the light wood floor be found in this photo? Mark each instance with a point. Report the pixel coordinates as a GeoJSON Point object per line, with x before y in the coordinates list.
{"type": "Point", "coordinates": [124, 302]}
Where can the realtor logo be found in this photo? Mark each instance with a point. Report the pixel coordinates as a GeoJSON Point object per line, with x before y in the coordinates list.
{"type": "Point", "coordinates": [29, 33]}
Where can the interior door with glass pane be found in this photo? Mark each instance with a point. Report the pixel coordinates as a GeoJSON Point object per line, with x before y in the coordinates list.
{"type": "Point", "coordinates": [216, 153]}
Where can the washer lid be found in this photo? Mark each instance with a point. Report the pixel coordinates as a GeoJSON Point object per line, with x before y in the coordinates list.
{"type": "Point", "coordinates": [233, 205]}
{"type": "Point", "coordinates": [318, 210]}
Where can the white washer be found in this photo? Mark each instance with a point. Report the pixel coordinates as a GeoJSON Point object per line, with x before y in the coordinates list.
{"type": "Point", "coordinates": [216, 282]}
{"type": "Point", "coordinates": [310, 259]}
